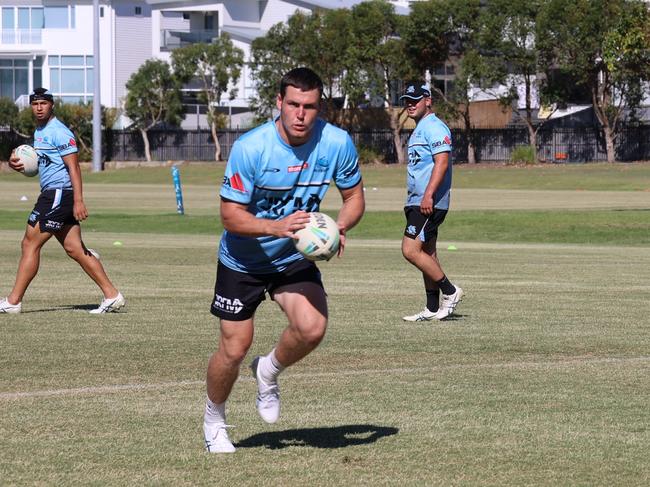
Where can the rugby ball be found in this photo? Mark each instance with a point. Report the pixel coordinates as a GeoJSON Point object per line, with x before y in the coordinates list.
{"type": "Point", "coordinates": [28, 158]}
{"type": "Point", "coordinates": [319, 240]}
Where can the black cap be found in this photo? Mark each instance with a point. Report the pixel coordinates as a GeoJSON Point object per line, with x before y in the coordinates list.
{"type": "Point", "coordinates": [41, 94]}
{"type": "Point", "coordinates": [416, 91]}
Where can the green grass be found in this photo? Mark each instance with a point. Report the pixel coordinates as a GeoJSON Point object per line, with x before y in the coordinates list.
{"type": "Point", "coordinates": [610, 227]}
{"type": "Point", "coordinates": [540, 379]}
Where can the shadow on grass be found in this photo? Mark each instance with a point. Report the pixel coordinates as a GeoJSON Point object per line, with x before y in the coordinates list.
{"type": "Point", "coordinates": [72, 307]}
{"type": "Point", "coordinates": [334, 437]}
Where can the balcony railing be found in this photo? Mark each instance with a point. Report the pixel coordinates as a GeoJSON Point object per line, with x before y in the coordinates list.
{"type": "Point", "coordinates": [172, 39]}
{"type": "Point", "coordinates": [22, 36]}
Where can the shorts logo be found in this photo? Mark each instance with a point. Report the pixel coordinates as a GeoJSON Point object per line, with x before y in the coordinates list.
{"type": "Point", "coordinates": [411, 230]}
{"type": "Point", "coordinates": [228, 305]}
{"type": "Point", "coordinates": [33, 216]}
{"type": "Point", "coordinates": [52, 225]}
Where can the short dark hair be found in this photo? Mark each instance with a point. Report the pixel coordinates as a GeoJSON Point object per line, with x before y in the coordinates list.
{"type": "Point", "coordinates": [304, 79]}
{"type": "Point", "coordinates": [41, 94]}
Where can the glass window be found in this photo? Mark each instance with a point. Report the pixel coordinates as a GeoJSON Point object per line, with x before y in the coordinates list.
{"type": "Point", "coordinates": [90, 79]}
{"type": "Point", "coordinates": [37, 18]}
{"type": "Point", "coordinates": [22, 84]}
{"type": "Point", "coordinates": [138, 10]}
{"type": "Point", "coordinates": [21, 62]}
{"type": "Point", "coordinates": [55, 82]}
{"type": "Point", "coordinates": [38, 77]}
{"type": "Point", "coordinates": [23, 18]}
{"type": "Point", "coordinates": [72, 17]}
{"type": "Point", "coordinates": [72, 81]}
{"type": "Point", "coordinates": [56, 17]}
{"type": "Point", "coordinates": [8, 18]}
{"type": "Point", "coordinates": [90, 61]}
{"type": "Point", "coordinates": [6, 62]}
{"type": "Point", "coordinates": [72, 60]}
{"type": "Point", "coordinates": [7, 83]}
{"type": "Point", "coordinates": [72, 99]}
{"type": "Point", "coordinates": [53, 60]}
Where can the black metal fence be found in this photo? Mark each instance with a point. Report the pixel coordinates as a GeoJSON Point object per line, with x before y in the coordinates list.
{"type": "Point", "coordinates": [492, 145]}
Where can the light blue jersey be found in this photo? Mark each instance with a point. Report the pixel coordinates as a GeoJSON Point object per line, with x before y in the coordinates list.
{"type": "Point", "coordinates": [274, 180]}
{"type": "Point", "coordinates": [52, 142]}
{"type": "Point", "coordinates": [430, 137]}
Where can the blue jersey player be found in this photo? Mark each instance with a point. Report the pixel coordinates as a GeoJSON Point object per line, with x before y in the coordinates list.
{"type": "Point", "coordinates": [428, 188]}
{"type": "Point", "coordinates": [276, 174]}
{"type": "Point", "coordinates": [58, 210]}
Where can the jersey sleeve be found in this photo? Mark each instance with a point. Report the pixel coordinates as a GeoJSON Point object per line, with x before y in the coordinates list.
{"type": "Point", "coordinates": [440, 139]}
{"type": "Point", "coordinates": [347, 173]}
{"type": "Point", "coordinates": [239, 178]}
{"type": "Point", "coordinates": [65, 141]}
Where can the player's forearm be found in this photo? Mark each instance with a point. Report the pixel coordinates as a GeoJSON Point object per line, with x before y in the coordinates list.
{"type": "Point", "coordinates": [354, 204]}
{"type": "Point", "coordinates": [74, 171]}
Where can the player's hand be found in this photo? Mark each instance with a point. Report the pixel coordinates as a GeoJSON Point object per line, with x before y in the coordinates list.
{"type": "Point", "coordinates": [426, 206]}
{"type": "Point", "coordinates": [79, 211]}
{"type": "Point", "coordinates": [14, 163]}
{"type": "Point", "coordinates": [291, 224]}
{"type": "Point", "coordinates": [341, 242]}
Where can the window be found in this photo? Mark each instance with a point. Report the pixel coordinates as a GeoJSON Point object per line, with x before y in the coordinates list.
{"type": "Point", "coordinates": [59, 17]}
{"type": "Point", "coordinates": [101, 12]}
{"type": "Point", "coordinates": [71, 77]}
{"type": "Point", "coordinates": [138, 10]}
{"type": "Point", "coordinates": [14, 75]}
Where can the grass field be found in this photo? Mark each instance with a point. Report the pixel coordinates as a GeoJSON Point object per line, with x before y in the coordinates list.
{"type": "Point", "coordinates": [542, 378]}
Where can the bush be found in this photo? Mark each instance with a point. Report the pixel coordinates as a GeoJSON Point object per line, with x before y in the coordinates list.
{"type": "Point", "coordinates": [368, 155]}
{"type": "Point", "coordinates": [523, 154]}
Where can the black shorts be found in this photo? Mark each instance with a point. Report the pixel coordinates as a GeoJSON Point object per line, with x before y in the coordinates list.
{"type": "Point", "coordinates": [53, 210]}
{"type": "Point", "coordinates": [238, 294]}
{"type": "Point", "coordinates": [420, 226]}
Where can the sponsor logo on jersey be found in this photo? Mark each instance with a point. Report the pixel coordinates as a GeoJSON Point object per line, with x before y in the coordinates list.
{"type": "Point", "coordinates": [299, 168]}
{"type": "Point", "coordinates": [271, 169]}
{"type": "Point", "coordinates": [234, 182]}
{"type": "Point", "coordinates": [72, 143]}
{"type": "Point", "coordinates": [228, 305]}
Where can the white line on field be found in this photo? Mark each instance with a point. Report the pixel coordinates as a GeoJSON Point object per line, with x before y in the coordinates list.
{"type": "Point", "coordinates": [407, 370]}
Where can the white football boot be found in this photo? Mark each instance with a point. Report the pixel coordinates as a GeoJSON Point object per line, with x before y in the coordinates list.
{"type": "Point", "coordinates": [424, 315]}
{"type": "Point", "coordinates": [110, 305]}
{"type": "Point", "coordinates": [449, 302]}
{"type": "Point", "coordinates": [7, 307]}
{"type": "Point", "coordinates": [268, 395]}
{"type": "Point", "coordinates": [216, 438]}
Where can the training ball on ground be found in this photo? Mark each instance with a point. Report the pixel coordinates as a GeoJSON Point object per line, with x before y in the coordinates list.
{"type": "Point", "coordinates": [319, 240]}
{"type": "Point", "coordinates": [28, 158]}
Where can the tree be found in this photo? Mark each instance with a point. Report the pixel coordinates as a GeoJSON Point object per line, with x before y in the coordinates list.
{"type": "Point", "coordinates": [215, 66]}
{"type": "Point", "coordinates": [601, 46]}
{"type": "Point", "coordinates": [514, 54]}
{"type": "Point", "coordinates": [153, 97]}
{"type": "Point", "coordinates": [318, 40]}
{"type": "Point", "coordinates": [376, 58]}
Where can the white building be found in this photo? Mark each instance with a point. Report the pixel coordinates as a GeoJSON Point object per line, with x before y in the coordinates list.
{"type": "Point", "coordinates": [50, 42]}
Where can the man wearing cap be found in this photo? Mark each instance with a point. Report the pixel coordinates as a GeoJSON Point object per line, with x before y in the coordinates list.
{"type": "Point", "coordinates": [427, 202]}
{"type": "Point", "coordinates": [59, 209]}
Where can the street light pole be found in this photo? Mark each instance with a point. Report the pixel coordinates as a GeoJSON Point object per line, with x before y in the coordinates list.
{"type": "Point", "coordinates": [97, 110]}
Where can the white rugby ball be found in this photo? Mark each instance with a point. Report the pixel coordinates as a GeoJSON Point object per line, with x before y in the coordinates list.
{"type": "Point", "coordinates": [319, 240]}
{"type": "Point", "coordinates": [28, 158]}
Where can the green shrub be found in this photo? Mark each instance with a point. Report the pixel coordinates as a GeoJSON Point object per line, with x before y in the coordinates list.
{"type": "Point", "coordinates": [523, 154]}
{"type": "Point", "coordinates": [368, 155]}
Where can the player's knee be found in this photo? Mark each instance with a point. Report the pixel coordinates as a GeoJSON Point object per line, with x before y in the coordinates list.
{"type": "Point", "coordinates": [410, 253]}
{"type": "Point", "coordinates": [312, 330]}
{"type": "Point", "coordinates": [234, 352]}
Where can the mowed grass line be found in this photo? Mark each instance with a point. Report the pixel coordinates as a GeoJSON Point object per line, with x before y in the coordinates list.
{"type": "Point", "coordinates": [595, 227]}
{"type": "Point", "coordinates": [541, 379]}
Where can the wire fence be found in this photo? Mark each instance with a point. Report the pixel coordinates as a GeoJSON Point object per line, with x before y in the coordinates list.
{"type": "Point", "coordinates": [492, 145]}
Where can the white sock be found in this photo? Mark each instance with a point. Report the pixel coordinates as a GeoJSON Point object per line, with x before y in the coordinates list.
{"type": "Point", "coordinates": [214, 413]}
{"type": "Point", "coordinates": [270, 367]}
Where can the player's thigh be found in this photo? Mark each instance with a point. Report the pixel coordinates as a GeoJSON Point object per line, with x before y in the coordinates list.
{"type": "Point", "coordinates": [70, 238]}
{"type": "Point", "coordinates": [236, 337]}
{"type": "Point", "coordinates": [34, 237]}
{"type": "Point", "coordinates": [304, 303]}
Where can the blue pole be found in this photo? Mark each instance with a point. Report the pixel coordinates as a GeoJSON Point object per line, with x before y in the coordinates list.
{"type": "Point", "coordinates": [176, 176]}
